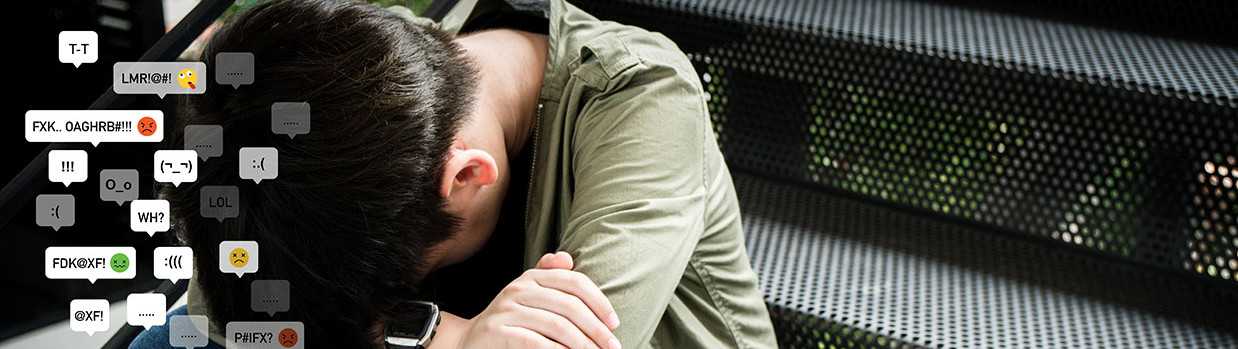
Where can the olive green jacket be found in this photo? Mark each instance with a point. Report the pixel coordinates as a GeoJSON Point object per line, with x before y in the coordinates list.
{"type": "Point", "coordinates": [628, 178]}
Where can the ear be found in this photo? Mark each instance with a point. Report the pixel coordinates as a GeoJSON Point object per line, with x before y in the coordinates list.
{"type": "Point", "coordinates": [467, 168]}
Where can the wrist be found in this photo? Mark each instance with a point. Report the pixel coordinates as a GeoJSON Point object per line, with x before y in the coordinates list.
{"type": "Point", "coordinates": [449, 331]}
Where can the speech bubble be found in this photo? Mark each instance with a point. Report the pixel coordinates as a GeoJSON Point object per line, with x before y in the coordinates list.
{"type": "Point", "coordinates": [89, 315]}
{"type": "Point", "coordinates": [264, 334]}
{"type": "Point", "coordinates": [90, 263]}
{"type": "Point", "coordinates": [207, 140]}
{"type": "Point", "coordinates": [290, 118]}
{"type": "Point", "coordinates": [173, 263]}
{"type": "Point", "coordinates": [77, 47]}
{"type": "Point", "coordinates": [94, 126]}
{"type": "Point", "coordinates": [176, 166]}
{"type": "Point", "coordinates": [268, 296]}
{"type": "Point", "coordinates": [159, 78]}
{"type": "Point", "coordinates": [234, 68]}
{"type": "Point", "coordinates": [66, 166]}
{"type": "Point", "coordinates": [239, 257]}
{"type": "Point", "coordinates": [149, 216]}
{"type": "Point", "coordinates": [147, 309]}
{"type": "Point", "coordinates": [259, 163]}
{"type": "Point", "coordinates": [219, 201]}
{"type": "Point", "coordinates": [55, 210]}
{"type": "Point", "coordinates": [118, 185]}
{"type": "Point", "coordinates": [188, 331]}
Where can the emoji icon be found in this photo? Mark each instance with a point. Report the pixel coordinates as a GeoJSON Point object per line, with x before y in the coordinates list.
{"type": "Point", "coordinates": [120, 262]}
{"type": "Point", "coordinates": [90, 263]}
{"type": "Point", "coordinates": [239, 257]}
{"type": "Point", "coordinates": [187, 79]}
{"type": "Point", "coordinates": [147, 125]}
{"type": "Point", "coordinates": [288, 337]}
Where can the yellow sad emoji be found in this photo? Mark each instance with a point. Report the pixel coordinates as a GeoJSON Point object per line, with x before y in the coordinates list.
{"type": "Point", "coordinates": [239, 257]}
{"type": "Point", "coordinates": [188, 79]}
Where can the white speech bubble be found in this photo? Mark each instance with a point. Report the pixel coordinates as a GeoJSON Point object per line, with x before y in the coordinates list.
{"type": "Point", "coordinates": [189, 331]}
{"type": "Point", "coordinates": [89, 315]}
{"type": "Point", "coordinates": [90, 263]}
{"type": "Point", "coordinates": [79, 47]}
{"type": "Point", "coordinates": [146, 309]}
{"type": "Point", "coordinates": [239, 257]}
{"type": "Point", "coordinates": [94, 126]}
{"type": "Point", "coordinates": [149, 216]}
{"type": "Point", "coordinates": [66, 166]}
{"type": "Point", "coordinates": [173, 263]}
{"type": "Point", "coordinates": [176, 166]}
{"type": "Point", "coordinates": [264, 334]}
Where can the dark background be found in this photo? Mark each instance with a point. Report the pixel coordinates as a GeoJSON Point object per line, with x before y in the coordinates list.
{"type": "Point", "coordinates": [125, 31]}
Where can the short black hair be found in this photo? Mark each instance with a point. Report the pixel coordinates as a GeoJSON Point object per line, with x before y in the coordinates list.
{"type": "Point", "coordinates": [355, 206]}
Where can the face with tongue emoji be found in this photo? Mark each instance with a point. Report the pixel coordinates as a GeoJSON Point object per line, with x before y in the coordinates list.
{"type": "Point", "coordinates": [188, 79]}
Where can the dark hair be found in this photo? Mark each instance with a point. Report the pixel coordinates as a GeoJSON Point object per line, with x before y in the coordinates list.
{"type": "Point", "coordinates": [355, 206]}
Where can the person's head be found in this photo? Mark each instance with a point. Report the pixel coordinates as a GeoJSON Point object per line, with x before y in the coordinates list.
{"type": "Point", "coordinates": [361, 201]}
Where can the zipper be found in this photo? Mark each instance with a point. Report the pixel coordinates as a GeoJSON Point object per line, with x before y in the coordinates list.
{"type": "Point", "coordinates": [528, 198]}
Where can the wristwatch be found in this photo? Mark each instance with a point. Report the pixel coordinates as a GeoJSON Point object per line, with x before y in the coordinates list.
{"type": "Point", "coordinates": [413, 326]}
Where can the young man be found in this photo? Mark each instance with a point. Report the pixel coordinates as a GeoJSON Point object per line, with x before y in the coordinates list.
{"type": "Point", "coordinates": [416, 135]}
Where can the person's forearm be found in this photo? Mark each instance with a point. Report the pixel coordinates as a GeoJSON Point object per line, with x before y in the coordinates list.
{"type": "Point", "coordinates": [447, 334]}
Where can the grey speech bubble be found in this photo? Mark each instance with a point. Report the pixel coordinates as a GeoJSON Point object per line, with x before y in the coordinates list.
{"type": "Point", "coordinates": [264, 334]}
{"type": "Point", "coordinates": [234, 68]}
{"type": "Point", "coordinates": [219, 201]}
{"type": "Point", "coordinates": [268, 296]}
{"type": "Point", "coordinates": [207, 140]}
{"type": "Point", "coordinates": [55, 210]}
{"type": "Point", "coordinates": [188, 331]}
{"type": "Point", "coordinates": [259, 163]}
{"type": "Point", "coordinates": [120, 186]}
{"type": "Point", "coordinates": [159, 78]}
{"type": "Point", "coordinates": [290, 118]}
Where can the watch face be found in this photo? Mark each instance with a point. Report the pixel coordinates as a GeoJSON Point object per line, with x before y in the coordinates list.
{"type": "Point", "coordinates": [410, 323]}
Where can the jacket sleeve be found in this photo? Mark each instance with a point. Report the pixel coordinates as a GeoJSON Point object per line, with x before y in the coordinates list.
{"type": "Point", "coordinates": [639, 192]}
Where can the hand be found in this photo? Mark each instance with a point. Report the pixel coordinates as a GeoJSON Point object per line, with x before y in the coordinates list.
{"type": "Point", "coordinates": [549, 306]}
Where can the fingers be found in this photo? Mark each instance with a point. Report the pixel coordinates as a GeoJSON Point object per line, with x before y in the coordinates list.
{"type": "Point", "coordinates": [558, 260]}
{"type": "Point", "coordinates": [571, 308]}
{"type": "Point", "coordinates": [578, 285]}
{"type": "Point", "coordinates": [552, 326]}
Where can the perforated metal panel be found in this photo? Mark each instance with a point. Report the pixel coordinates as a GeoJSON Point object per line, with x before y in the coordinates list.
{"type": "Point", "coordinates": [1088, 141]}
{"type": "Point", "coordinates": [1197, 20]}
{"type": "Point", "coordinates": [1086, 136]}
{"type": "Point", "coordinates": [840, 273]}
